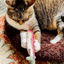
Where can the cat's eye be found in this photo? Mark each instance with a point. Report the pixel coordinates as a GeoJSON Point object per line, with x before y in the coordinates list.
{"type": "Point", "coordinates": [30, 15]}
{"type": "Point", "coordinates": [25, 19]}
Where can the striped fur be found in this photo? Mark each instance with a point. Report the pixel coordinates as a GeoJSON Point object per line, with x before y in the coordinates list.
{"type": "Point", "coordinates": [46, 10]}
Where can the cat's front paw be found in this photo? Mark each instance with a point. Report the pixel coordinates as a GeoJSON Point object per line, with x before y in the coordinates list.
{"type": "Point", "coordinates": [53, 41]}
{"type": "Point", "coordinates": [37, 46]}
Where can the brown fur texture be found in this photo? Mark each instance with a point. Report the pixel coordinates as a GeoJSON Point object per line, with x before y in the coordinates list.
{"type": "Point", "coordinates": [46, 10]}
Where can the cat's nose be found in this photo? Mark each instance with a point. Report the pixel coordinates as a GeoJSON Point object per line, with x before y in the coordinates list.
{"type": "Point", "coordinates": [21, 22]}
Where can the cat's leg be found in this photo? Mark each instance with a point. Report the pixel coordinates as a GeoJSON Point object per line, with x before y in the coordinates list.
{"type": "Point", "coordinates": [60, 25]}
{"type": "Point", "coordinates": [60, 30]}
{"type": "Point", "coordinates": [37, 33]}
{"type": "Point", "coordinates": [37, 41]}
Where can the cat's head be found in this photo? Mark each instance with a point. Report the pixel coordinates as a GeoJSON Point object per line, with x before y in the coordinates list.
{"type": "Point", "coordinates": [20, 10]}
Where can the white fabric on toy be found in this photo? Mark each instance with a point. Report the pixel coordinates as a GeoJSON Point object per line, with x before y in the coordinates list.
{"type": "Point", "coordinates": [23, 39]}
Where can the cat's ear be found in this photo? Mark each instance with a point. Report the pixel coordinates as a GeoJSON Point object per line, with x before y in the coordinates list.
{"type": "Point", "coordinates": [31, 2]}
{"type": "Point", "coordinates": [11, 2]}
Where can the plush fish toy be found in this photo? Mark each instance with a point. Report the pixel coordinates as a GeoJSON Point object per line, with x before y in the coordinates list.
{"type": "Point", "coordinates": [31, 47]}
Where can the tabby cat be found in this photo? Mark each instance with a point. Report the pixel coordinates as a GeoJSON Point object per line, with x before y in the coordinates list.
{"type": "Point", "coordinates": [26, 14]}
